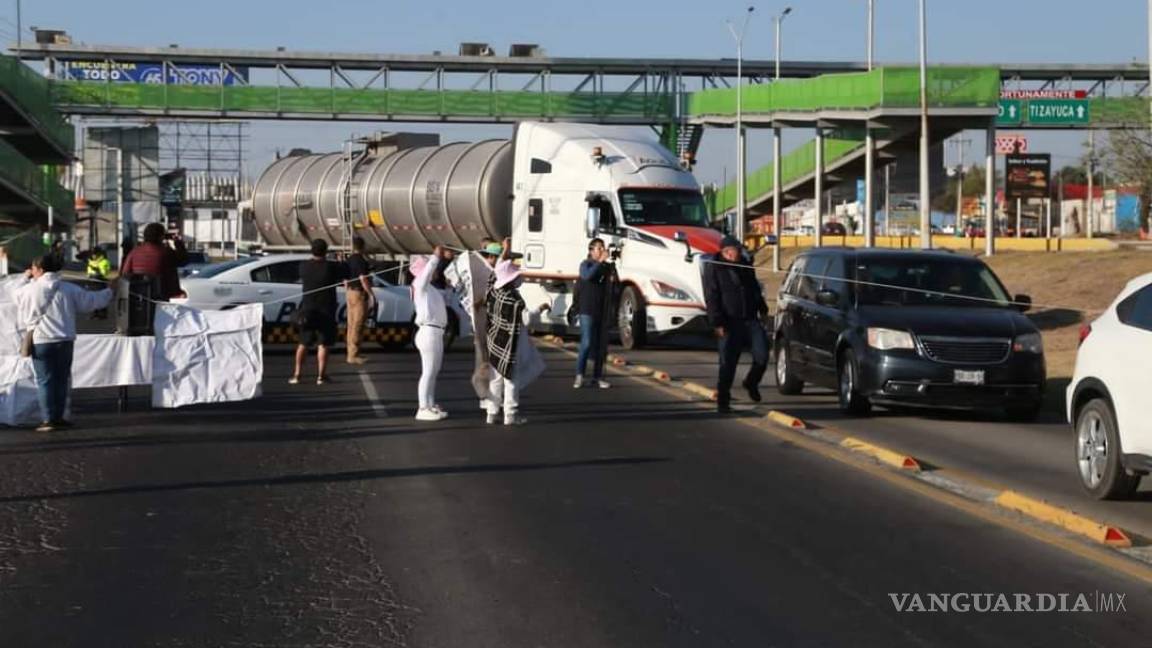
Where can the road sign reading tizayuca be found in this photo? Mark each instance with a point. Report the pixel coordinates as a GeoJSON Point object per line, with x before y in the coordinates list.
{"type": "Point", "coordinates": [1057, 111]}
{"type": "Point", "coordinates": [1043, 112]}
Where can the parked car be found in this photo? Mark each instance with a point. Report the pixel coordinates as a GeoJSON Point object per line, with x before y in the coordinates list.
{"type": "Point", "coordinates": [906, 328]}
{"type": "Point", "coordinates": [274, 280]}
{"type": "Point", "coordinates": [1107, 398]}
{"type": "Point", "coordinates": [197, 261]}
{"type": "Point", "coordinates": [834, 229]}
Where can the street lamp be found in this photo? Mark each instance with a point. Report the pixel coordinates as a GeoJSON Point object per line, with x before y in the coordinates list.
{"type": "Point", "coordinates": [872, 30]}
{"type": "Point", "coordinates": [779, 19]}
{"type": "Point", "coordinates": [925, 198]}
{"type": "Point", "coordinates": [741, 157]}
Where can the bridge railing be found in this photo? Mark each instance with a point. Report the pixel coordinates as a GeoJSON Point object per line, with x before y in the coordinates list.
{"type": "Point", "coordinates": [794, 166]}
{"type": "Point", "coordinates": [888, 87]}
{"type": "Point", "coordinates": [367, 102]}
{"type": "Point", "coordinates": [38, 182]}
{"type": "Point", "coordinates": [32, 93]}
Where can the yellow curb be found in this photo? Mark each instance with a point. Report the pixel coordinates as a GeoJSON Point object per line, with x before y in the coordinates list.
{"type": "Point", "coordinates": [882, 454]}
{"type": "Point", "coordinates": [1064, 518]}
{"type": "Point", "coordinates": [617, 361]}
{"type": "Point", "coordinates": [780, 418]}
{"type": "Point", "coordinates": [662, 376]}
{"type": "Point", "coordinates": [700, 390]}
{"type": "Point", "coordinates": [642, 370]}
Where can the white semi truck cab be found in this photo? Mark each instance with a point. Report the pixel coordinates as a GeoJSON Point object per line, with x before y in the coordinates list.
{"type": "Point", "coordinates": [552, 188]}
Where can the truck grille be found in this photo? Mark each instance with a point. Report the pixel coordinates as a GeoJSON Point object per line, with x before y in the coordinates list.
{"type": "Point", "coordinates": [966, 350]}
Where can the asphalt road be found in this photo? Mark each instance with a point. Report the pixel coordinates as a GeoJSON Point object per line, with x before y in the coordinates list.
{"type": "Point", "coordinates": [619, 517]}
{"type": "Point", "coordinates": [1036, 458]}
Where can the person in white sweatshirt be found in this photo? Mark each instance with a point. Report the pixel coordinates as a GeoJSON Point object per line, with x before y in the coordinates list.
{"type": "Point", "coordinates": [48, 306]}
{"type": "Point", "coordinates": [428, 287]}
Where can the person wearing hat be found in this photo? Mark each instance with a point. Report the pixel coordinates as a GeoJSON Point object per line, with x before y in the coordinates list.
{"type": "Point", "coordinates": [735, 304]}
{"type": "Point", "coordinates": [514, 359]}
{"type": "Point", "coordinates": [428, 285]}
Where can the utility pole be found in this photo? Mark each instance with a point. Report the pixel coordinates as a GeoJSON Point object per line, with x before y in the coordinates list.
{"type": "Point", "coordinates": [925, 192]}
{"type": "Point", "coordinates": [960, 143]}
{"type": "Point", "coordinates": [872, 32]}
{"type": "Point", "coordinates": [741, 142]}
{"type": "Point", "coordinates": [1090, 207]}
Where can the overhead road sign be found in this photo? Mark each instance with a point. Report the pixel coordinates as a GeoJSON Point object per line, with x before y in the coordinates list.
{"type": "Point", "coordinates": [1043, 112]}
{"type": "Point", "coordinates": [1044, 94]}
{"type": "Point", "coordinates": [1057, 111]}
{"type": "Point", "coordinates": [1011, 112]}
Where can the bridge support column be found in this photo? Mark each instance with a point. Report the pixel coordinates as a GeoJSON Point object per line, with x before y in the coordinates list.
{"type": "Point", "coordinates": [819, 189]}
{"type": "Point", "coordinates": [990, 190]}
{"type": "Point", "coordinates": [869, 178]}
{"type": "Point", "coordinates": [777, 198]}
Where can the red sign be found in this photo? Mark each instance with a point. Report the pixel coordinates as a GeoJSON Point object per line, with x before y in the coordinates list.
{"type": "Point", "coordinates": [1006, 144]}
{"type": "Point", "coordinates": [1043, 94]}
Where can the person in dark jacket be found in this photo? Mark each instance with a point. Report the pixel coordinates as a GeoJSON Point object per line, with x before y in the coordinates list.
{"type": "Point", "coordinates": [153, 258]}
{"type": "Point", "coordinates": [735, 305]}
{"type": "Point", "coordinates": [597, 275]}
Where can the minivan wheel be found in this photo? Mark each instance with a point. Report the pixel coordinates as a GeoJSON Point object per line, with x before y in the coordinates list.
{"type": "Point", "coordinates": [1098, 453]}
{"type": "Point", "coordinates": [786, 381]}
{"type": "Point", "coordinates": [852, 402]}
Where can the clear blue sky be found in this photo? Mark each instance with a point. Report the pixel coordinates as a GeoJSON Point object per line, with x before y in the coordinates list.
{"type": "Point", "coordinates": [975, 31]}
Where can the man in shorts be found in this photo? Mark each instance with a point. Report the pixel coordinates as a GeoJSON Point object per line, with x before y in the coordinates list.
{"type": "Point", "coordinates": [316, 317]}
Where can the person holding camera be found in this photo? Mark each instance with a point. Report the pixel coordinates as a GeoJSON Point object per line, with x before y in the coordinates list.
{"type": "Point", "coordinates": [153, 258]}
{"type": "Point", "coordinates": [593, 299]}
{"type": "Point", "coordinates": [735, 303]}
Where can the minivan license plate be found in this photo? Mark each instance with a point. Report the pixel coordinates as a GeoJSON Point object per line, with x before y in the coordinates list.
{"type": "Point", "coordinates": [962, 377]}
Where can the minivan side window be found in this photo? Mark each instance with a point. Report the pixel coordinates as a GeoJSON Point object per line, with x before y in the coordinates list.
{"type": "Point", "coordinates": [792, 281]}
{"type": "Point", "coordinates": [834, 278]}
{"type": "Point", "coordinates": [1136, 310]}
{"type": "Point", "coordinates": [816, 268]}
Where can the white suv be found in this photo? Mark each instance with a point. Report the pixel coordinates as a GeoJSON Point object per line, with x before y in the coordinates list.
{"type": "Point", "coordinates": [1108, 399]}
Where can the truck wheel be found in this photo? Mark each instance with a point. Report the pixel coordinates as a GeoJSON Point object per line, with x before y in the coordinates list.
{"type": "Point", "coordinates": [631, 319]}
{"type": "Point", "coordinates": [1098, 453]}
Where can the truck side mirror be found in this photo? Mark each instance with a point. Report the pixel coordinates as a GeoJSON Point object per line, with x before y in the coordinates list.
{"type": "Point", "coordinates": [592, 222]}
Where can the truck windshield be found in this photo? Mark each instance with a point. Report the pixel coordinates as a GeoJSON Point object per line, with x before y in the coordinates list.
{"type": "Point", "coordinates": [663, 207]}
{"type": "Point", "coordinates": [920, 282]}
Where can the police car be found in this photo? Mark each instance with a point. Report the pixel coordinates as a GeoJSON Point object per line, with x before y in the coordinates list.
{"type": "Point", "coordinates": [274, 280]}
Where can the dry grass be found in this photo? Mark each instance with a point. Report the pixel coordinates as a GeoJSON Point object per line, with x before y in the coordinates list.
{"type": "Point", "coordinates": [1068, 288]}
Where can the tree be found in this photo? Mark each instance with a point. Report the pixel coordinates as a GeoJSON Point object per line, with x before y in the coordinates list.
{"type": "Point", "coordinates": [973, 188]}
{"type": "Point", "coordinates": [1127, 156]}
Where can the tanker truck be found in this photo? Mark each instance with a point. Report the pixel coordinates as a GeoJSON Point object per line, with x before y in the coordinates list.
{"type": "Point", "coordinates": [551, 189]}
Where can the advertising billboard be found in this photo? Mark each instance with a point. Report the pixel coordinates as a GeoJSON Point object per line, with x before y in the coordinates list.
{"type": "Point", "coordinates": [128, 72]}
{"type": "Point", "coordinates": [1027, 175]}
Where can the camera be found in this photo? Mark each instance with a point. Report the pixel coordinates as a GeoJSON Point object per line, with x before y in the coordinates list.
{"type": "Point", "coordinates": [614, 252]}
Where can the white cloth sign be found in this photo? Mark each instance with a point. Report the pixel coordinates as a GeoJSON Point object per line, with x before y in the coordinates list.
{"type": "Point", "coordinates": [112, 361]}
{"type": "Point", "coordinates": [207, 356]}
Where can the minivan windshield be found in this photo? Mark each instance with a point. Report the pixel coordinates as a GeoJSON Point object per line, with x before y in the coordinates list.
{"type": "Point", "coordinates": [927, 282]}
{"type": "Point", "coordinates": [663, 207]}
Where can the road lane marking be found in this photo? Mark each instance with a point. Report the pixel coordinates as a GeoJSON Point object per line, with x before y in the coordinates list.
{"type": "Point", "coordinates": [373, 395]}
{"type": "Point", "coordinates": [913, 482]}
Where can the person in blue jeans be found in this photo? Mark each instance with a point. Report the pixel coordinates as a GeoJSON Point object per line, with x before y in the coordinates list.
{"type": "Point", "coordinates": [48, 306]}
{"type": "Point", "coordinates": [593, 296]}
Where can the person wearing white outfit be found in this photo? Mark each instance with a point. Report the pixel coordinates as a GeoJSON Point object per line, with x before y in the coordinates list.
{"type": "Point", "coordinates": [431, 320]}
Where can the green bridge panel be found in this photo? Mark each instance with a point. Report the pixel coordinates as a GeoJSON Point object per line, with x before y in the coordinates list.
{"type": "Point", "coordinates": [793, 166]}
{"type": "Point", "coordinates": [368, 102]}
{"type": "Point", "coordinates": [33, 94]}
{"type": "Point", "coordinates": [38, 182]}
{"type": "Point", "coordinates": [889, 87]}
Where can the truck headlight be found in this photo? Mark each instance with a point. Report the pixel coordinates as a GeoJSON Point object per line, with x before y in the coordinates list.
{"type": "Point", "coordinates": [886, 339]}
{"type": "Point", "coordinates": [1028, 343]}
{"type": "Point", "coordinates": [668, 291]}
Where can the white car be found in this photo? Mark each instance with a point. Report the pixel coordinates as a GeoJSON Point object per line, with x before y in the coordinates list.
{"type": "Point", "coordinates": [1107, 400]}
{"type": "Point", "coordinates": [274, 280]}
